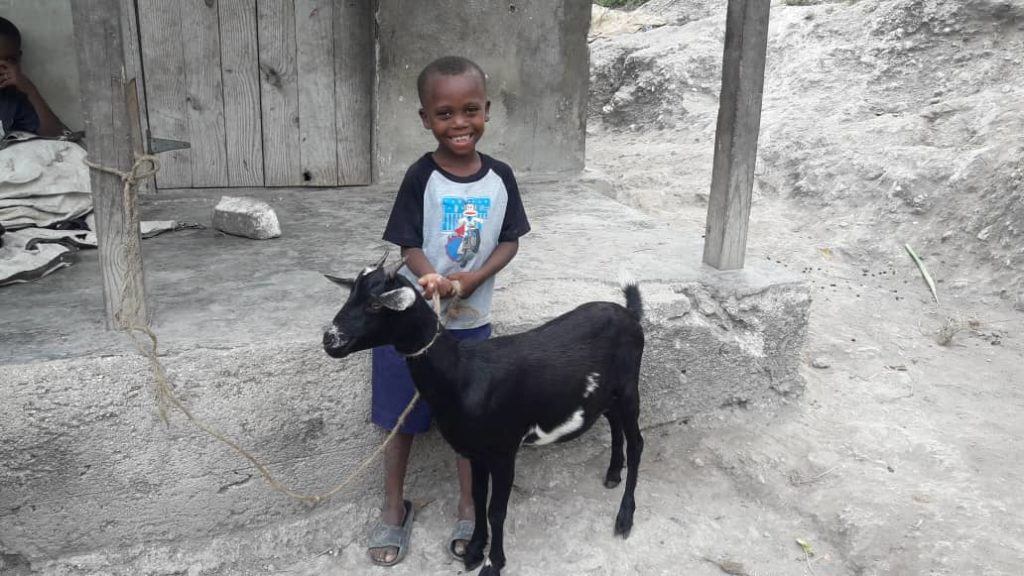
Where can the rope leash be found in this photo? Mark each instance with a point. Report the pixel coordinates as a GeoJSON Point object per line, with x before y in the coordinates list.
{"type": "Point", "coordinates": [163, 391]}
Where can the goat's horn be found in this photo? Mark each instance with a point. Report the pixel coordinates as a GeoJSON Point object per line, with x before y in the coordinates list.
{"type": "Point", "coordinates": [393, 269]}
{"type": "Point", "coordinates": [383, 259]}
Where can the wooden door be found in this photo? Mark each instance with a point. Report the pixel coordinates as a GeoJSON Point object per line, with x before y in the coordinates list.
{"type": "Point", "coordinates": [266, 92]}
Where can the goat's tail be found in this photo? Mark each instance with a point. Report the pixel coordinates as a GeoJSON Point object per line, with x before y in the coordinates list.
{"type": "Point", "coordinates": [634, 303]}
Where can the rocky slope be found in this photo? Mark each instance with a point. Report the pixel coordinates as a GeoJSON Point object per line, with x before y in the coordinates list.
{"type": "Point", "coordinates": [885, 122]}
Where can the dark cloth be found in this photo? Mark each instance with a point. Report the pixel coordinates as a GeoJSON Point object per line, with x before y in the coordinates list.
{"type": "Point", "coordinates": [393, 386]}
{"type": "Point", "coordinates": [16, 113]}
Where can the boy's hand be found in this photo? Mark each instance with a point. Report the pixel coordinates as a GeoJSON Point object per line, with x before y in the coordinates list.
{"type": "Point", "coordinates": [434, 282]}
{"type": "Point", "coordinates": [10, 75]}
{"type": "Point", "coordinates": [469, 281]}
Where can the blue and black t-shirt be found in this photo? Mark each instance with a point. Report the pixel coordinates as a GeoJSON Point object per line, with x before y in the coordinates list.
{"type": "Point", "coordinates": [457, 222]}
{"type": "Point", "coordinates": [16, 113]}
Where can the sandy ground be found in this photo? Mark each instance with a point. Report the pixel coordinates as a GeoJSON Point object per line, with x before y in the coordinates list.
{"type": "Point", "coordinates": [904, 456]}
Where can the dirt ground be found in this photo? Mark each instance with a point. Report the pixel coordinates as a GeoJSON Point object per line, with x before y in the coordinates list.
{"type": "Point", "coordinates": [886, 122]}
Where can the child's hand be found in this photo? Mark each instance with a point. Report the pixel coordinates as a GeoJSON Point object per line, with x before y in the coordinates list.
{"type": "Point", "coordinates": [469, 282]}
{"type": "Point", "coordinates": [10, 75]}
{"type": "Point", "coordinates": [434, 282]}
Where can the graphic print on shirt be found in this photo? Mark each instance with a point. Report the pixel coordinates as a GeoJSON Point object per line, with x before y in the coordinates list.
{"type": "Point", "coordinates": [462, 220]}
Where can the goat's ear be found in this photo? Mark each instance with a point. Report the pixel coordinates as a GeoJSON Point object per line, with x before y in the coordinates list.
{"type": "Point", "coordinates": [398, 299]}
{"type": "Point", "coordinates": [346, 282]}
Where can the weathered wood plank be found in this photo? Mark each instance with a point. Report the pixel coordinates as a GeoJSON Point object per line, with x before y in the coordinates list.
{"type": "Point", "coordinates": [133, 66]}
{"type": "Point", "coordinates": [240, 60]}
{"type": "Point", "coordinates": [103, 87]}
{"type": "Point", "coordinates": [205, 103]}
{"type": "Point", "coordinates": [314, 33]}
{"type": "Point", "coordinates": [353, 81]}
{"type": "Point", "coordinates": [739, 122]}
{"type": "Point", "coordinates": [279, 91]}
{"type": "Point", "coordinates": [164, 62]}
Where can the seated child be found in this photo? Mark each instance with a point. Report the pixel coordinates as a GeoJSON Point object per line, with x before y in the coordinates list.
{"type": "Point", "coordinates": [21, 106]}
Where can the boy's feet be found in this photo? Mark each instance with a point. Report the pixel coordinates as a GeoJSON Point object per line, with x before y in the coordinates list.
{"type": "Point", "coordinates": [463, 530]}
{"type": "Point", "coordinates": [390, 539]}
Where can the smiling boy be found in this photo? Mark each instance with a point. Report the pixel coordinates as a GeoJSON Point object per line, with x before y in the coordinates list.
{"type": "Point", "coordinates": [458, 218]}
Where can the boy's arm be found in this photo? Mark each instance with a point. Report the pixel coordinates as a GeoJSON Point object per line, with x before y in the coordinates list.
{"type": "Point", "coordinates": [499, 258]}
{"type": "Point", "coordinates": [429, 279]}
{"type": "Point", "coordinates": [11, 75]}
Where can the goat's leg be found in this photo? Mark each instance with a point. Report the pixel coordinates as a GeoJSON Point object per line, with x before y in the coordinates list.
{"type": "Point", "coordinates": [475, 549]}
{"type": "Point", "coordinates": [502, 474]}
{"type": "Point", "coordinates": [634, 448]}
{"type": "Point", "coordinates": [614, 474]}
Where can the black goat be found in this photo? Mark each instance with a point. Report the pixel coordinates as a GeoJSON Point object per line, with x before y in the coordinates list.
{"type": "Point", "coordinates": [549, 384]}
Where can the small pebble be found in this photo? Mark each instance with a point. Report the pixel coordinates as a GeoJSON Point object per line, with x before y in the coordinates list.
{"type": "Point", "coordinates": [821, 362]}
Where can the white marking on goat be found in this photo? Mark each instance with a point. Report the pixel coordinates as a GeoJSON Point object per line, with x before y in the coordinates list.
{"type": "Point", "coordinates": [367, 270]}
{"type": "Point", "coordinates": [399, 299]}
{"type": "Point", "coordinates": [574, 423]}
{"type": "Point", "coordinates": [591, 384]}
{"type": "Point", "coordinates": [334, 330]}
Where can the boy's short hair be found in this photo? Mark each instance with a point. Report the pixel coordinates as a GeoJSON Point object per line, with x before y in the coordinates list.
{"type": "Point", "coordinates": [448, 66]}
{"type": "Point", "coordinates": [9, 30]}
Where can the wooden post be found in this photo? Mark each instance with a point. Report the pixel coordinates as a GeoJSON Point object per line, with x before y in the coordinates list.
{"type": "Point", "coordinates": [739, 120]}
{"type": "Point", "coordinates": [108, 137]}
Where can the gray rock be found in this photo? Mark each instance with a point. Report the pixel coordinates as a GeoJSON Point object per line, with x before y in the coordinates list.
{"type": "Point", "coordinates": [248, 217]}
{"type": "Point", "coordinates": [821, 362]}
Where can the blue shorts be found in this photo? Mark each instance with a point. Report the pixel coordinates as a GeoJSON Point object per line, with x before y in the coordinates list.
{"type": "Point", "coordinates": [393, 387]}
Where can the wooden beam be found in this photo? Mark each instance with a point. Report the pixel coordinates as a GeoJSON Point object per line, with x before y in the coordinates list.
{"type": "Point", "coordinates": [133, 65]}
{"type": "Point", "coordinates": [108, 137]}
{"type": "Point", "coordinates": [353, 89]}
{"type": "Point", "coordinates": [739, 121]}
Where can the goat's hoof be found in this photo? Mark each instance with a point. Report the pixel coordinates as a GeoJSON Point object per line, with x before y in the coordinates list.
{"type": "Point", "coordinates": [623, 524]}
{"type": "Point", "coordinates": [490, 571]}
{"type": "Point", "coordinates": [474, 557]}
{"type": "Point", "coordinates": [610, 482]}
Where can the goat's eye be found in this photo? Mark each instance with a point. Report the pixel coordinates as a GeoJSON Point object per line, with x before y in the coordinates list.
{"type": "Point", "coordinates": [375, 306]}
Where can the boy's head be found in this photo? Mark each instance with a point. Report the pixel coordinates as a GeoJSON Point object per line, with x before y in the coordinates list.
{"type": "Point", "coordinates": [453, 103]}
{"type": "Point", "coordinates": [10, 41]}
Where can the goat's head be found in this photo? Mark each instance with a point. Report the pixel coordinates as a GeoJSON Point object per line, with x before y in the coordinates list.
{"type": "Point", "coordinates": [377, 296]}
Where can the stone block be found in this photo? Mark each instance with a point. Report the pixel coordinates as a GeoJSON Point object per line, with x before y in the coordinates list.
{"type": "Point", "coordinates": [248, 217]}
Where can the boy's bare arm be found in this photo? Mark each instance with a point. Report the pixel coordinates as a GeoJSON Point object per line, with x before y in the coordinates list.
{"type": "Point", "coordinates": [11, 75]}
{"type": "Point", "coordinates": [502, 255]}
{"type": "Point", "coordinates": [429, 279]}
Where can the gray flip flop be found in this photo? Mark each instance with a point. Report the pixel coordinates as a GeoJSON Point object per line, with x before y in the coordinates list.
{"type": "Point", "coordinates": [386, 535]}
{"type": "Point", "coordinates": [463, 530]}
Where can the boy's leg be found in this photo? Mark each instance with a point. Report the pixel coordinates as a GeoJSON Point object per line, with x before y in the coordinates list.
{"type": "Point", "coordinates": [392, 390]}
{"type": "Point", "coordinates": [396, 461]}
{"type": "Point", "coordinates": [466, 511]}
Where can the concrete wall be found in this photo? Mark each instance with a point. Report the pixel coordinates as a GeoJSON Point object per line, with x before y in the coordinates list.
{"type": "Point", "coordinates": [49, 45]}
{"type": "Point", "coordinates": [536, 57]}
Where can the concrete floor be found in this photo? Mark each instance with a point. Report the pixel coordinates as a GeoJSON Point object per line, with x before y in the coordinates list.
{"type": "Point", "coordinates": [86, 465]}
{"type": "Point", "coordinates": [208, 289]}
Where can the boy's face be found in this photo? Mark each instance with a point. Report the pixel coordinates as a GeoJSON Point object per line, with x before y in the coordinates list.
{"type": "Point", "coordinates": [9, 51]}
{"type": "Point", "coordinates": [455, 109]}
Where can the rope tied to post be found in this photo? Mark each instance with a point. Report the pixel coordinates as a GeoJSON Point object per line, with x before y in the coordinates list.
{"type": "Point", "coordinates": [146, 166]}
